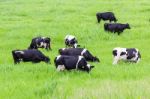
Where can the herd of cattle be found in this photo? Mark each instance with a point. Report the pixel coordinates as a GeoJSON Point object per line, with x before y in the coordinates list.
{"type": "Point", "coordinates": [73, 56]}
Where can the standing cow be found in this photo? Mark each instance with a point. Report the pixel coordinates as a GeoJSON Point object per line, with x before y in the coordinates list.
{"type": "Point", "coordinates": [40, 42]}
{"type": "Point", "coordinates": [30, 55]}
{"type": "Point", "coordinates": [63, 62]}
{"type": "Point", "coordinates": [79, 51]}
{"type": "Point", "coordinates": [71, 41]}
{"type": "Point", "coordinates": [127, 54]}
{"type": "Point", "coordinates": [106, 16]}
{"type": "Point", "coordinates": [116, 27]}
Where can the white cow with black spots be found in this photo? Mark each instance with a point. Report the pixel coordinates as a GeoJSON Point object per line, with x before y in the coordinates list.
{"type": "Point", "coordinates": [126, 54]}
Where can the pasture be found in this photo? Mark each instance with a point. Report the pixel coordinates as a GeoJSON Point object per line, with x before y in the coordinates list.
{"type": "Point", "coordinates": [21, 20]}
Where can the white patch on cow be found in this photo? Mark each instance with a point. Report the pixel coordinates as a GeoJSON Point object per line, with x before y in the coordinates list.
{"type": "Point", "coordinates": [138, 60]}
{"type": "Point", "coordinates": [119, 57]}
{"type": "Point", "coordinates": [42, 44]}
{"type": "Point", "coordinates": [75, 45]}
{"type": "Point", "coordinates": [83, 51]}
{"type": "Point", "coordinates": [69, 37]}
{"type": "Point", "coordinates": [79, 59]}
{"type": "Point", "coordinates": [43, 37]}
{"type": "Point", "coordinates": [63, 48]}
{"type": "Point", "coordinates": [19, 52]}
{"type": "Point", "coordinates": [88, 65]}
{"type": "Point", "coordinates": [60, 68]}
{"type": "Point", "coordinates": [58, 57]}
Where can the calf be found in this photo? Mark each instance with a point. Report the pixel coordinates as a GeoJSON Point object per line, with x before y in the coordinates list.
{"type": "Point", "coordinates": [128, 54]}
{"type": "Point", "coordinates": [30, 55]}
{"type": "Point", "coordinates": [71, 41]}
{"type": "Point", "coordinates": [106, 16]}
{"type": "Point", "coordinates": [40, 42]}
{"type": "Point", "coordinates": [116, 27]}
{"type": "Point", "coordinates": [79, 51]}
{"type": "Point", "coordinates": [72, 62]}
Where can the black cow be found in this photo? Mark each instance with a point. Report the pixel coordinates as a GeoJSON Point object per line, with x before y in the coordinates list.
{"type": "Point", "coordinates": [79, 51]}
{"type": "Point", "coordinates": [72, 62]}
{"type": "Point", "coordinates": [116, 27]}
{"type": "Point", "coordinates": [71, 41]}
{"type": "Point", "coordinates": [30, 55]}
{"type": "Point", "coordinates": [40, 42]}
{"type": "Point", "coordinates": [106, 16]}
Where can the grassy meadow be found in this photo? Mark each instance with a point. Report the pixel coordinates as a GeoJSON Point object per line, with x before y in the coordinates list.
{"type": "Point", "coordinates": [21, 20]}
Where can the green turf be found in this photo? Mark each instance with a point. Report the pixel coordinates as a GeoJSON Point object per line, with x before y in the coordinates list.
{"type": "Point", "coordinates": [21, 20]}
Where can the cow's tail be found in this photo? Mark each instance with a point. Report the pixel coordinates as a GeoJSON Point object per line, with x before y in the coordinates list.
{"type": "Point", "coordinates": [14, 55]}
{"type": "Point", "coordinates": [55, 62]}
{"type": "Point", "coordinates": [139, 55]}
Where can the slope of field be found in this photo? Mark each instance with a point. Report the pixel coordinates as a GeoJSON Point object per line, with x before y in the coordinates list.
{"type": "Point", "coordinates": [21, 20]}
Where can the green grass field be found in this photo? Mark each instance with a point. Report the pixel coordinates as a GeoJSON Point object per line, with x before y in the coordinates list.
{"type": "Point", "coordinates": [21, 20]}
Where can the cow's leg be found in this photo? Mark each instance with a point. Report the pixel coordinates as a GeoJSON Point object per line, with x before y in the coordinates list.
{"type": "Point", "coordinates": [138, 59]}
{"type": "Point", "coordinates": [16, 61]}
{"type": "Point", "coordinates": [49, 47]}
{"type": "Point", "coordinates": [119, 33]}
{"type": "Point", "coordinates": [110, 21]}
{"type": "Point", "coordinates": [98, 19]}
{"type": "Point", "coordinates": [116, 59]}
{"type": "Point", "coordinates": [60, 67]}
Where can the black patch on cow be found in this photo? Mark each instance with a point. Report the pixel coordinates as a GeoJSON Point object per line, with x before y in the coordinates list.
{"type": "Point", "coordinates": [114, 52]}
{"type": "Point", "coordinates": [123, 53]}
{"type": "Point", "coordinates": [131, 53]}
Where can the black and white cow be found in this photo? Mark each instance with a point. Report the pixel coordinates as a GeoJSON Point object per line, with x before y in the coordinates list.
{"type": "Point", "coordinates": [116, 27]}
{"type": "Point", "coordinates": [40, 42]}
{"type": "Point", "coordinates": [63, 62]}
{"type": "Point", "coordinates": [126, 54]}
{"type": "Point", "coordinates": [106, 16]}
{"type": "Point", "coordinates": [79, 51]}
{"type": "Point", "coordinates": [30, 55]}
{"type": "Point", "coordinates": [71, 41]}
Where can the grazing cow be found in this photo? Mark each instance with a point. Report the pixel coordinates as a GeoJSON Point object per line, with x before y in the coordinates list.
{"type": "Point", "coordinates": [30, 55]}
{"type": "Point", "coordinates": [127, 54]}
{"type": "Point", "coordinates": [106, 16]}
{"type": "Point", "coordinates": [72, 62]}
{"type": "Point", "coordinates": [116, 27]}
{"type": "Point", "coordinates": [40, 42]}
{"type": "Point", "coordinates": [71, 41]}
{"type": "Point", "coordinates": [79, 51]}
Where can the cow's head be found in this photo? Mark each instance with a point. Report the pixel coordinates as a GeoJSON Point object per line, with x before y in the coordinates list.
{"type": "Point", "coordinates": [47, 43]}
{"type": "Point", "coordinates": [95, 59]}
{"type": "Point", "coordinates": [47, 60]}
{"type": "Point", "coordinates": [89, 67]}
{"type": "Point", "coordinates": [128, 26]}
{"type": "Point", "coordinates": [115, 20]}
